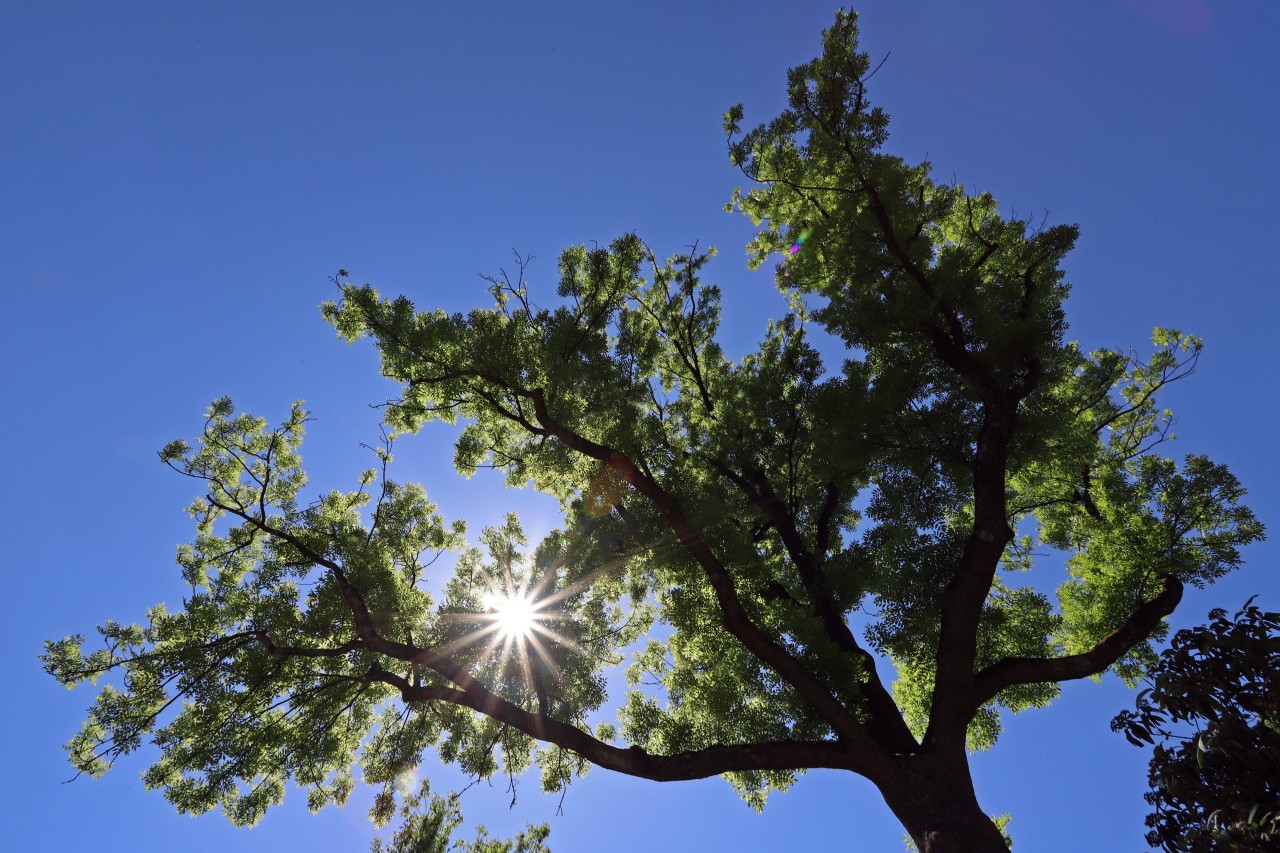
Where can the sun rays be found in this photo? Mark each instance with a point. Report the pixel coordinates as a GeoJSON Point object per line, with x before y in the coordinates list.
{"type": "Point", "coordinates": [518, 633]}
{"type": "Point", "coordinates": [525, 628]}
{"type": "Point", "coordinates": [515, 615]}
{"type": "Point", "coordinates": [517, 624]}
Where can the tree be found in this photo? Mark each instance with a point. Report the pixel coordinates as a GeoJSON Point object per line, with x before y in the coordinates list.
{"type": "Point", "coordinates": [723, 519]}
{"type": "Point", "coordinates": [1218, 786]}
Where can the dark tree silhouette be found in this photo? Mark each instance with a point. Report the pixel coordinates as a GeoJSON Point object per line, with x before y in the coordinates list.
{"type": "Point", "coordinates": [1213, 713]}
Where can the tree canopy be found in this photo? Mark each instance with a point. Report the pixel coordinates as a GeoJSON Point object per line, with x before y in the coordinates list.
{"type": "Point", "coordinates": [724, 520]}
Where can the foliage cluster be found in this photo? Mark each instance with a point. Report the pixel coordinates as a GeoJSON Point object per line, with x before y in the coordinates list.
{"type": "Point", "coordinates": [1214, 706]}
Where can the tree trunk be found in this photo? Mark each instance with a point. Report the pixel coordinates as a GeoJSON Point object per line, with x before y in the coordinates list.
{"type": "Point", "coordinates": [934, 799]}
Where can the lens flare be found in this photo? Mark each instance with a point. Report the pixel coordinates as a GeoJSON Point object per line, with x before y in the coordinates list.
{"type": "Point", "coordinates": [804, 235]}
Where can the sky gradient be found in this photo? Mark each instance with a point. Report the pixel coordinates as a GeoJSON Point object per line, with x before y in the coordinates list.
{"type": "Point", "coordinates": [178, 181]}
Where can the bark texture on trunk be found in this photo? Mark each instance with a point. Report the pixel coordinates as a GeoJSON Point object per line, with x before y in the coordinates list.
{"type": "Point", "coordinates": [935, 800]}
{"type": "Point", "coordinates": [961, 835]}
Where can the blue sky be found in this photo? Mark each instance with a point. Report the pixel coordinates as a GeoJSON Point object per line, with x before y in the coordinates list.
{"type": "Point", "coordinates": [179, 179]}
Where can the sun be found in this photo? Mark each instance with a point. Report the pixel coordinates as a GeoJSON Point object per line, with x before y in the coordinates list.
{"type": "Point", "coordinates": [514, 615]}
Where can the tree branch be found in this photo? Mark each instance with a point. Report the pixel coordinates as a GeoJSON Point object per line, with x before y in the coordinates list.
{"type": "Point", "coordinates": [634, 761]}
{"type": "Point", "coordinates": [1010, 671]}
{"type": "Point", "coordinates": [887, 725]}
{"type": "Point", "coordinates": [736, 620]}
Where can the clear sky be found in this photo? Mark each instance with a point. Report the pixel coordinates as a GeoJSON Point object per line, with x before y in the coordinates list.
{"type": "Point", "coordinates": [177, 180]}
